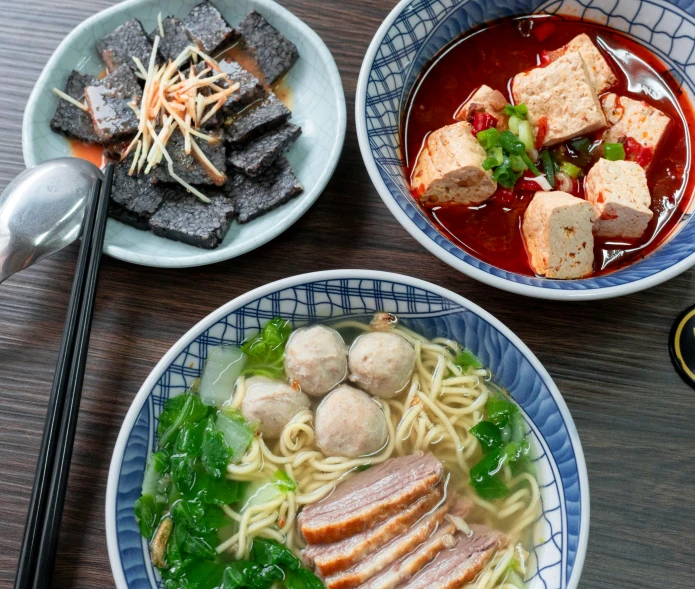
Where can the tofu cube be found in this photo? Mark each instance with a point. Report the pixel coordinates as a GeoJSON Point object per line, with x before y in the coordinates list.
{"type": "Point", "coordinates": [600, 73]}
{"type": "Point", "coordinates": [633, 118]}
{"type": "Point", "coordinates": [558, 231]}
{"type": "Point", "coordinates": [449, 168]}
{"type": "Point", "coordinates": [563, 95]}
{"type": "Point", "coordinates": [486, 100]}
{"type": "Point", "coordinates": [618, 190]}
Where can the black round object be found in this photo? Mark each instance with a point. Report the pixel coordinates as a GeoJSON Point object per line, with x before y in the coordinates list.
{"type": "Point", "coordinates": [681, 345]}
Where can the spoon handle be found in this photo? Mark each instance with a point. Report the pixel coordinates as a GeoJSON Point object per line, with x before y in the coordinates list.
{"type": "Point", "coordinates": [39, 494]}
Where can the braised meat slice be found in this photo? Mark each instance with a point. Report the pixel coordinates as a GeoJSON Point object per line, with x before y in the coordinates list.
{"type": "Point", "coordinates": [370, 497]}
{"type": "Point", "coordinates": [274, 53]}
{"type": "Point", "coordinates": [399, 547]}
{"type": "Point", "coordinates": [125, 42]}
{"type": "Point", "coordinates": [108, 100]}
{"type": "Point", "coordinates": [329, 559]}
{"type": "Point", "coordinates": [70, 120]}
{"type": "Point", "coordinates": [453, 568]}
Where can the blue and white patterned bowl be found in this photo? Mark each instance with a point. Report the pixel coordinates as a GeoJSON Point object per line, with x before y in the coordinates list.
{"type": "Point", "coordinates": [318, 106]}
{"type": "Point", "coordinates": [560, 535]}
{"type": "Point", "coordinates": [417, 29]}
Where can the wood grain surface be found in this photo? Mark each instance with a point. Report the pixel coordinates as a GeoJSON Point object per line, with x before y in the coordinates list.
{"type": "Point", "coordinates": [610, 360]}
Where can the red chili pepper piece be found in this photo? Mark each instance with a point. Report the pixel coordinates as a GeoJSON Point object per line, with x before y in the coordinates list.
{"type": "Point", "coordinates": [636, 152]}
{"type": "Point", "coordinates": [526, 184]}
{"type": "Point", "coordinates": [544, 57]}
{"type": "Point", "coordinates": [544, 31]}
{"type": "Point", "coordinates": [483, 121]}
{"type": "Point", "coordinates": [541, 132]}
{"type": "Point", "coordinates": [503, 196]}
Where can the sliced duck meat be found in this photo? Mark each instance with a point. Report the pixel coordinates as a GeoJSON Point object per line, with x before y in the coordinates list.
{"type": "Point", "coordinates": [453, 568]}
{"type": "Point", "coordinates": [405, 567]}
{"type": "Point", "coordinates": [72, 121]}
{"type": "Point", "coordinates": [184, 217]}
{"type": "Point", "coordinates": [110, 100]}
{"type": "Point", "coordinates": [256, 120]}
{"type": "Point", "coordinates": [329, 559]}
{"type": "Point", "coordinates": [254, 197]}
{"type": "Point", "coordinates": [190, 167]}
{"type": "Point", "coordinates": [274, 52]}
{"type": "Point", "coordinates": [400, 546]}
{"type": "Point", "coordinates": [207, 27]}
{"type": "Point", "coordinates": [125, 42]}
{"type": "Point", "coordinates": [462, 506]}
{"type": "Point", "coordinates": [174, 41]}
{"type": "Point", "coordinates": [257, 155]}
{"type": "Point", "coordinates": [370, 497]}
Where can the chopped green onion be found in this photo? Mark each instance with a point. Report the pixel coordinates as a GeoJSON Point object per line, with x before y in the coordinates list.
{"type": "Point", "coordinates": [613, 151]}
{"type": "Point", "coordinates": [518, 164]}
{"type": "Point", "coordinates": [571, 170]}
{"type": "Point", "coordinates": [495, 158]}
{"type": "Point", "coordinates": [520, 110]}
{"type": "Point", "coordinates": [504, 174]}
{"type": "Point", "coordinates": [467, 359]}
{"type": "Point", "coordinates": [531, 165]}
{"type": "Point", "coordinates": [526, 135]}
{"type": "Point", "coordinates": [548, 167]}
{"type": "Point", "coordinates": [514, 124]}
{"type": "Point", "coordinates": [489, 138]}
{"type": "Point", "coordinates": [511, 143]}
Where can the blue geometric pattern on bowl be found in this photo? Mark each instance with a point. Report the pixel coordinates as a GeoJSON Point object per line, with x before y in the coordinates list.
{"type": "Point", "coordinates": [424, 27]}
{"type": "Point", "coordinates": [561, 530]}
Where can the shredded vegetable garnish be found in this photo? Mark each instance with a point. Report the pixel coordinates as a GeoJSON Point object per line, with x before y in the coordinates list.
{"type": "Point", "coordinates": [161, 26]}
{"type": "Point", "coordinates": [177, 102]}
{"type": "Point", "coordinates": [70, 99]}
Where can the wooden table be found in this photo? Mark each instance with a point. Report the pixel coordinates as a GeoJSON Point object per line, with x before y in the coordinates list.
{"type": "Point", "coordinates": [609, 358]}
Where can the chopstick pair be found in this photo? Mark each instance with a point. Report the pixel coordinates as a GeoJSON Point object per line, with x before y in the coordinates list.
{"type": "Point", "coordinates": [37, 555]}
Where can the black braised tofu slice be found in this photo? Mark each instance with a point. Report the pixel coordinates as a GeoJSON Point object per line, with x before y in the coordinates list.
{"type": "Point", "coordinates": [108, 100]}
{"type": "Point", "coordinates": [184, 217]}
{"type": "Point", "coordinates": [256, 120]}
{"type": "Point", "coordinates": [125, 42]}
{"type": "Point", "coordinates": [254, 197]}
{"type": "Point", "coordinates": [70, 120]}
{"type": "Point", "coordinates": [175, 39]}
{"type": "Point", "coordinates": [188, 166]}
{"type": "Point", "coordinates": [207, 27]}
{"type": "Point", "coordinates": [274, 53]}
{"type": "Point", "coordinates": [257, 155]}
{"type": "Point", "coordinates": [134, 199]}
{"type": "Point", "coordinates": [250, 88]}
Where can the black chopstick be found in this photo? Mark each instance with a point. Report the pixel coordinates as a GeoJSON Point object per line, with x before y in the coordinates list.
{"type": "Point", "coordinates": [37, 556]}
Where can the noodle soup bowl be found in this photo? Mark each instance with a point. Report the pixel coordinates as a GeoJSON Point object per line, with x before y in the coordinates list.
{"type": "Point", "coordinates": [559, 532]}
{"type": "Point", "coordinates": [417, 30]}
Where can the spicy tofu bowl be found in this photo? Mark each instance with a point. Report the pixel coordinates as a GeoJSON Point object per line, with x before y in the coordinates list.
{"type": "Point", "coordinates": [538, 147]}
{"type": "Point", "coordinates": [348, 429]}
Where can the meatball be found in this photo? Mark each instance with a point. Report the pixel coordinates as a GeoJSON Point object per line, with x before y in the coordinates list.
{"type": "Point", "coordinates": [316, 358]}
{"type": "Point", "coordinates": [272, 403]}
{"type": "Point", "coordinates": [350, 423]}
{"type": "Point", "coordinates": [381, 363]}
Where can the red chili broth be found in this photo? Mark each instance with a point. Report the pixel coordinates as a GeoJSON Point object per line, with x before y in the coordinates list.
{"type": "Point", "coordinates": [492, 55]}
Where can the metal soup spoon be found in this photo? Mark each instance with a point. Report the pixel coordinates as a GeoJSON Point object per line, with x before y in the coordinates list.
{"type": "Point", "coordinates": [41, 211]}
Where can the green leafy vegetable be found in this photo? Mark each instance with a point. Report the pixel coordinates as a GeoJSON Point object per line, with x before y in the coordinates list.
{"type": "Point", "coordinates": [548, 167]}
{"type": "Point", "coordinates": [237, 432]}
{"type": "Point", "coordinates": [363, 467]}
{"type": "Point", "coordinates": [613, 151]}
{"type": "Point", "coordinates": [467, 359]}
{"type": "Point", "coordinates": [519, 111]}
{"type": "Point", "coordinates": [270, 553]}
{"type": "Point", "coordinates": [488, 435]}
{"type": "Point", "coordinates": [222, 369]}
{"type": "Point", "coordinates": [147, 515]}
{"type": "Point", "coordinates": [178, 412]}
{"type": "Point", "coordinates": [215, 451]}
{"type": "Point", "coordinates": [284, 482]}
{"type": "Point", "coordinates": [265, 351]}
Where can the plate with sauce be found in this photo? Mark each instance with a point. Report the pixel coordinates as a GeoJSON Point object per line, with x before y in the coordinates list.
{"type": "Point", "coordinates": [471, 45]}
{"type": "Point", "coordinates": [312, 90]}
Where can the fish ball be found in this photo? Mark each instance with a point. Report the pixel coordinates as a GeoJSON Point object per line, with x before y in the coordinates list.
{"type": "Point", "coordinates": [381, 363]}
{"type": "Point", "coordinates": [272, 403]}
{"type": "Point", "coordinates": [350, 423]}
{"type": "Point", "coordinates": [316, 358]}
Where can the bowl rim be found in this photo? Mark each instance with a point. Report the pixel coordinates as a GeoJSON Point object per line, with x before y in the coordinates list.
{"type": "Point", "coordinates": [307, 199]}
{"type": "Point", "coordinates": [483, 276]}
{"type": "Point", "coordinates": [347, 274]}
